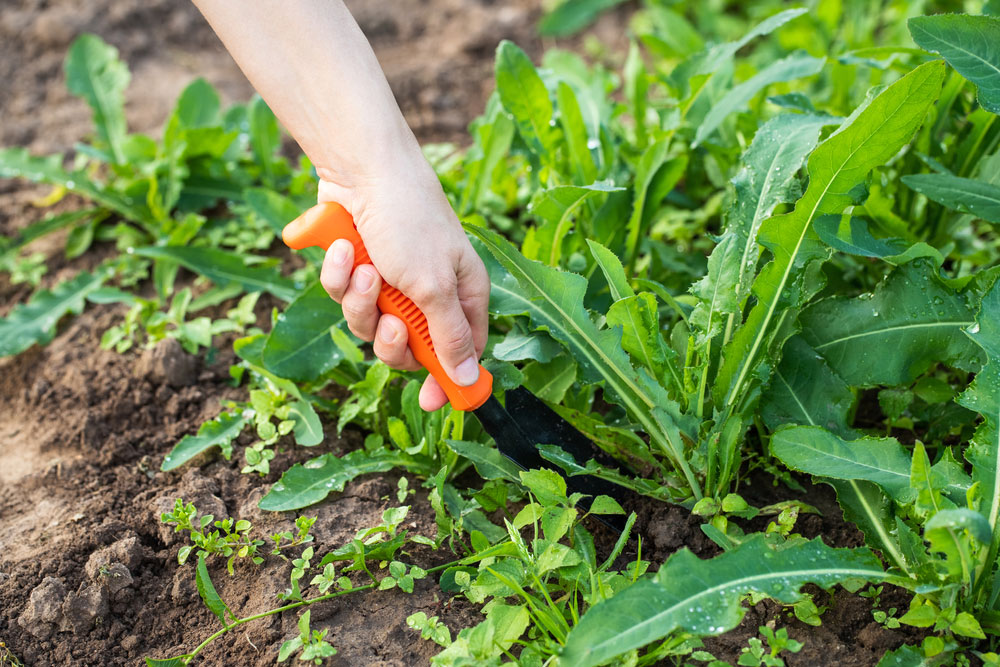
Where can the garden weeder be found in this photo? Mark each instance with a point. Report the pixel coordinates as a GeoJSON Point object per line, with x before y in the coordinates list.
{"type": "Point", "coordinates": [517, 439]}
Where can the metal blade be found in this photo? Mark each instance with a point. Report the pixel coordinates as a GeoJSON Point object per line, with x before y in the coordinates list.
{"type": "Point", "coordinates": [535, 424]}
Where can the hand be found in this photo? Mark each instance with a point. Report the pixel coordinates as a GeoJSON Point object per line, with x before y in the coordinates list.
{"type": "Point", "coordinates": [414, 238]}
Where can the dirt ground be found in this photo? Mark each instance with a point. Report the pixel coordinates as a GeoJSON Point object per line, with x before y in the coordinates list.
{"type": "Point", "coordinates": [83, 431]}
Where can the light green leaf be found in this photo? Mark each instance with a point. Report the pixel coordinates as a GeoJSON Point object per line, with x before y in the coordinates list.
{"type": "Point", "coordinates": [265, 136]}
{"type": "Point", "coordinates": [816, 451]}
{"type": "Point", "coordinates": [308, 483]}
{"type": "Point", "coordinates": [524, 95]}
{"type": "Point", "coordinates": [254, 274]}
{"type": "Point", "coordinates": [655, 177]}
{"type": "Point", "coordinates": [642, 338]}
{"type": "Point", "coordinates": [767, 179]}
{"type": "Point", "coordinates": [612, 269]}
{"type": "Point", "coordinates": [489, 462]}
{"type": "Point", "coordinates": [556, 207]}
{"type": "Point", "coordinates": [308, 430]}
{"type": "Point", "coordinates": [965, 195]}
{"type": "Point", "coordinates": [702, 597]}
{"type": "Point", "coordinates": [911, 322]}
{"type": "Point", "coordinates": [871, 137]}
{"type": "Point", "coordinates": [717, 290]}
{"type": "Point", "coordinates": [970, 44]}
{"type": "Point", "coordinates": [550, 381]}
{"type": "Point", "coordinates": [299, 346]}
{"type": "Point", "coordinates": [518, 345]}
{"type": "Point", "coordinates": [571, 16]}
{"type": "Point", "coordinates": [796, 66]}
{"type": "Point", "coordinates": [208, 593]}
{"type": "Point", "coordinates": [218, 432]}
{"type": "Point", "coordinates": [95, 73]}
{"type": "Point", "coordinates": [35, 321]}
{"type": "Point", "coordinates": [18, 163]}
{"type": "Point", "coordinates": [167, 662]}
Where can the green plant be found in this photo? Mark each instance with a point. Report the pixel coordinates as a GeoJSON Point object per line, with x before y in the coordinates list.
{"type": "Point", "coordinates": [755, 654]}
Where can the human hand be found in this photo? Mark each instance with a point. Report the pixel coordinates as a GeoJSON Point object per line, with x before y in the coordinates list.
{"type": "Point", "coordinates": [414, 238]}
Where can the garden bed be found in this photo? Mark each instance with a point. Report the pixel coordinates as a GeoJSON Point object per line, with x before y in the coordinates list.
{"type": "Point", "coordinates": [89, 573]}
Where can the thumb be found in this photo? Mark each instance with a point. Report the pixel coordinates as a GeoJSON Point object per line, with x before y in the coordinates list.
{"type": "Point", "coordinates": [451, 334]}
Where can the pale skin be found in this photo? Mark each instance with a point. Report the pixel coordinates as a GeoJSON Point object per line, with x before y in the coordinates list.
{"type": "Point", "coordinates": [314, 67]}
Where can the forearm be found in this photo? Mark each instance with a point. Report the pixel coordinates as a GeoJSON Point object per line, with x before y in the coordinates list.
{"type": "Point", "coordinates": [313, 66]}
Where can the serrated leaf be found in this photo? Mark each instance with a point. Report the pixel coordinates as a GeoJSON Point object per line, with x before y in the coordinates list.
{"type": "Point", "coordinates": [816, 451]}
{"type": "Point", "coordinates": [206, 589]}
{"type": "Point", "coordinates": [35, 321]}
{"type": "Point", "coordinates": [254, 274]}
{"type": "Point", "coordinates": [642, 339]}
{"type": "Point", "coordinates": [805, 391]}
{"type": "Point", "coordinates": [970, 44]}
{"type": "Point", "coordinates": [871, 137]}
{"type": "Point", "coordinates": [796, 66]}
{"type": "Point", "coordinates": [299, 346]}
{"type": "Point", "coordinates": [95, 73]}
{"type": "Point", "coordinates": [218, 432]}
{"type": "Point", "coordinates": [910, 322]}
{"type": "Point", "coordinates": [308, 483]}
{"type": "Point", "coordinates": [767, 179]}
{"type": "Point", "coordinates": [965, 195]}
{"type": "Point", "coordinates": [612, 269]}
{"type": "Point", "coordinates": [703, 597]}
{"type": "Point", "coordinates": [554, 301]}
{"type": "Point", "coordinates": [489, 462]}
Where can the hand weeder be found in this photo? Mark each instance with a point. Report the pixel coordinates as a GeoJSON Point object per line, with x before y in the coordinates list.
{"type": "Point", "coordinates": [536, 423]}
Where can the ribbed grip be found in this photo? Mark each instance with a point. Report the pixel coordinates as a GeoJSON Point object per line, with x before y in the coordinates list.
{"type": "Point", "coordinates": [325, 223]}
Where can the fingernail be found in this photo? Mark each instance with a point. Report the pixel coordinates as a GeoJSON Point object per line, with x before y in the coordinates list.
{"type": "Point", "coordinates": [363, 280]}
{"type": "Point", "coordinates": [388, 333]}
{"type": "Point", "coordinates": [339, 253]}
{"type": "Point", "coordinates": [467, 372]}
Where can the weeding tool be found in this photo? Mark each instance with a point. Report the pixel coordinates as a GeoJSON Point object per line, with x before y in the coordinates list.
{"type": "Point", "coordinates": [517, 439]}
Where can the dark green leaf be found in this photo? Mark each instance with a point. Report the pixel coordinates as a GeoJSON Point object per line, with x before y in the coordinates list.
{"type": "Point", "coordinates": [300, 347]}
{"type": "Point", "coordinates": [911, 322]}
{"type": "Point", "coordinates": [702, 597]}
{"type": "Point", "coordinates": [308, 483]}
{"type": "Point", "coordinates": [254, 274]}
{"type": "Point", "coordinates": [965, 195]}
{"type": "Point", "coordinates": [970, 44]}
{"type": "Point", "coordinates": [208, 593]}
{"type": "Point", "coordinates": [218, 432]}
{"type": "Point", "coordinates": [35, 321]}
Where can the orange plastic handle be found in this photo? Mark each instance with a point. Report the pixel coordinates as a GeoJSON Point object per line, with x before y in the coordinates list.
{"type": "Point", "coordinates": [325, 223]}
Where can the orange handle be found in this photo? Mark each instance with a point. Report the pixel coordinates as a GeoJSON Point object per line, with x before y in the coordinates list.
{"type": "Point", "coordinates": [325, 223]}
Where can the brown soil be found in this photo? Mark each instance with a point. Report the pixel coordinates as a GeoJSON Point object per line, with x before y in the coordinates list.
{"type": "Point", "coordinates": [84, 561]}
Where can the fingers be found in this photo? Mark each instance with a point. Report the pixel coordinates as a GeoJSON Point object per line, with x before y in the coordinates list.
{"type": "Point", "coordinates": [431, 396]}
{"type": "Point", "coordinates": [335, 275]}
{"type": "Point", "coordinates": [451, 332]}
{"type": "Point", "coordinates": [358, 303]}
{"type": "Point", "coordinates": [474, 295]}
{"type": "Point", "coordinates": [390, 344]}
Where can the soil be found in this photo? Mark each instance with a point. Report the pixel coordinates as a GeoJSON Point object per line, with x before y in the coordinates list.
{"type": "Point", "coordinates": [88, 574]}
